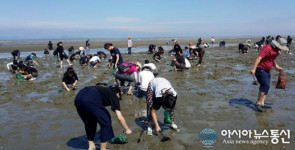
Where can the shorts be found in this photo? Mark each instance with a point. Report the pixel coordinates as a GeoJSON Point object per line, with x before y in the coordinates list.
{"type": "Point", "coordinates": [263, 77]}
{"type": "Point", "coordinates": [63, 56]}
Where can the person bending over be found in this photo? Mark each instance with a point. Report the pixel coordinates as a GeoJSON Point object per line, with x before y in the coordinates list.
{"type": "Point", "coordinates": [90, 103]}
{"type": "Point", "coordinates": [160, 93]}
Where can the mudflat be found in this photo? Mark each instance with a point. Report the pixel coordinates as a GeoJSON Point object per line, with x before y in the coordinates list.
{"type": "Point", "coordinates": [217, 95]}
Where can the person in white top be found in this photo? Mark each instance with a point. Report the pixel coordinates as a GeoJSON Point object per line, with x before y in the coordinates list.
{"type": "Point", "coordinates": [160, 93]}
{"type": "Point", "coordinates": [94, 61]}
{"type": "Point", "coordinates": [144, 78]}
{"type": "Point", "coordinates": [153, 67]}
{"type": "Point", "coordinates": [129, 45]}
{"type": "Point", "coordinates": [212, 41]}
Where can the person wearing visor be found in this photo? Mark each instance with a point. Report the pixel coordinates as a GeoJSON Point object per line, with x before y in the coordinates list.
{"type": "Point", "coordinates": [262, 67]}
{"type": "Point", "coordinates": [90, 103]}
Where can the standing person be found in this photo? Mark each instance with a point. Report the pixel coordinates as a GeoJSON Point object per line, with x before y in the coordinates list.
{"type": "Point", "coordinates": [30, 59]}
{"type": "Point", "coordinates": [159, 93]}
{"type": "Point", "coordinates": [289, 43]}
{"type": "Point", "coordinates": [70, 79]}
{"type": "Point", "coordinates": [62, 54]}
{"type": "Point", "coordinates": [50, 48]}
{"type": "Point", "coordinates": [129, 45]}
{"type": "Point", "coordinates": [16, 54]}
{"type": "Point", "coordinates": [87, 46]}
{"type": "Point", "coordinates": [117, 58]}
{"type": "Point", "coordinates": [262, 66]}
{"type": "Point", "coordinates": [212, 41]}
{"type": "Point", "coordinates": [199, 42]}
{"type": "Point", "coordinates": [90, 103]}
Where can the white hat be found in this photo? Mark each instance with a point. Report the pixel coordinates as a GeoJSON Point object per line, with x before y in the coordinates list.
{"type": "Point", "coordinates": [280, 44]}
{"type": "Point", "coordinates": [81, 48]}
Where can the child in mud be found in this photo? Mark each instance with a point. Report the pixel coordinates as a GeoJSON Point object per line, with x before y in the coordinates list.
{"type": "Point", "coordinates": [157, 56]}
{"type": "Point", "coordinates": [62, 54]}
{"type": "Point", "coordinates": [117, 58]}
{"type": "Point", "coordinates": [28, 72]}
{"type": "Point", "coordinates": [160, 93]}
{"type": "Point", "coordinates": [128, 72]}
{"type": "Point", "coordinates": [90, 103]}
{"type": "Point", "coordinates": [178, 62]}
{"type": "Point", "coordinates": [262, 66]}
{"type": "Point", "coordinates": [30, 59]}
{"type": "Point", "coordinates": [94, 61]}
{"type": "Point", "coordinates": [70, 79]}
{"type": "Point", "coordinates": [84, 60]}
{"type": "Point", "coordinates": [75, 56]}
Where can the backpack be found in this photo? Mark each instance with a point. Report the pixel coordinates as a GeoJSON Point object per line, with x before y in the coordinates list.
{"type": "Point", "coordinates": [124, 67]}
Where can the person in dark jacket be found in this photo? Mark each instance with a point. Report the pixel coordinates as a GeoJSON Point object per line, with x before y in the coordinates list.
{"type": "Point", "coordinates": [27, 72]}
{"type": "Point", "coordinates": [70, 79]}
{"type": "Point", "coordinates": [62, 54]}
{"type": "Point", "coordinates": [152, 48]}
{"type": "Point", "coordinates": [15, 54]}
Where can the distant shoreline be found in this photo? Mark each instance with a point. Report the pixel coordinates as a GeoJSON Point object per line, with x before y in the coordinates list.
{"type": "Point", "coordinates": [40, 45]}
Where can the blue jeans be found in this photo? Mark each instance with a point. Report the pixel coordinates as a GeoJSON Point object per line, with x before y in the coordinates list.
{"type": "Point", "coordinates": [129, 50]}
{"type": "Point", "coordinates": [263, 77]}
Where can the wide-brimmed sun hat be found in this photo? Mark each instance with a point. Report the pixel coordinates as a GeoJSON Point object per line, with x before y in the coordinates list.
{"type": "Point", "coordinates": [280, 44]}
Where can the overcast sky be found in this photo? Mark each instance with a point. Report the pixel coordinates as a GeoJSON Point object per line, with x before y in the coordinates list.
{"type": "Point", "coordinates": [45, 19]}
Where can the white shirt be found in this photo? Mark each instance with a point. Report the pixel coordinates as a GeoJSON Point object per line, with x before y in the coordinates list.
{"type": "Point", "coordinates": [129, 43]}
{"type": "Point", "coordinates": [94, 59]}
{"type": "Point", "coordinates": [144, 78]}
{"type": "Point", "coordinates": [212, 40]}
{"type": "Point", "coordinates": [9, 66]}
{"type": "Point", "coordinates": [160, 85]}
{"type": "Point", "coordinates": [151, 65]}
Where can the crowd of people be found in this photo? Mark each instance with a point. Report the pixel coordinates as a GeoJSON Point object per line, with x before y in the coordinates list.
{"type": "Point", "coordinates": [91, 101]}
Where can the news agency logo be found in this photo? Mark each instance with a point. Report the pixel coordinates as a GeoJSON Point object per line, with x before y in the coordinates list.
{"type": "Point", "coordinates": [208, 137]}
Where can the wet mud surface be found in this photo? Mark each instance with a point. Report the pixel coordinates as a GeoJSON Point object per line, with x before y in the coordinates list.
{"type": "Point", "coordinates": [218, 95]}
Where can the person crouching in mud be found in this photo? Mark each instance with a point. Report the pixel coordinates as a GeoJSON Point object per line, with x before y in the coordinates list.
{"type": "Point", "coordinates": [262, 66]}
{"type": "Point", "coordinates": [28, 72]}
{"type": "Point", "coordinates": [160, 93]}
{"type": "Point", "coordinates": [70, 79]}
{"type": "Point", "coordinates": [90, 103]}
{"type": "Point", "coordinates": [178, 61]}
